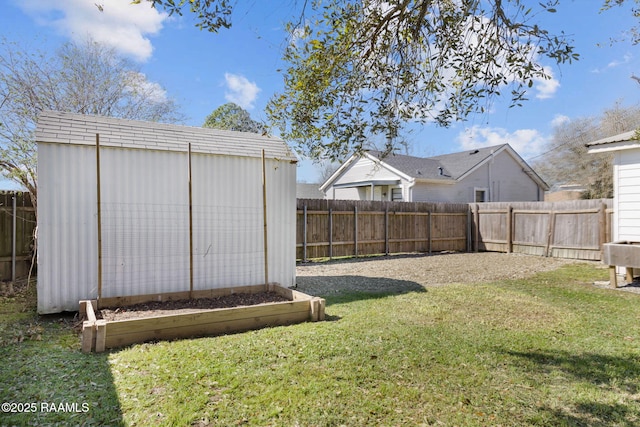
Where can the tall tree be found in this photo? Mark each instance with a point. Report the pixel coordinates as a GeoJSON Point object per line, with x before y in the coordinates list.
{"type": "Point", "coordinates": [363, 67]}
{"type": "Point", "coordinates": [86, 78]}
{"type": "Point", "coordinates": [366, 67]}
{"type": "Point", "coordinates": [566, 160]}
{"type": "Point", "coordinates": [231, 116]}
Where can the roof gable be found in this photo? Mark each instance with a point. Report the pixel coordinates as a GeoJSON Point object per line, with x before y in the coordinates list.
{"type": "Point", "coordinates": [462, 163]}
{"type": "Point", "coordinates": [77, 129]}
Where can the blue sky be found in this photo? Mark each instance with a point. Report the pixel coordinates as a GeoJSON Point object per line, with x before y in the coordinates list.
{"type": "Point", "coordinates": [202, 70]}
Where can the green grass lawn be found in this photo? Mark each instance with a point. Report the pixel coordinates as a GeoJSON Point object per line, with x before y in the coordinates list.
{"type": "Point", "coordinates": [552, 350]}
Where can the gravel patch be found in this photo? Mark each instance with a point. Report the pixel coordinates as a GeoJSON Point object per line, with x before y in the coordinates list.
{"type": "Point", "coordinates": [406, 273]}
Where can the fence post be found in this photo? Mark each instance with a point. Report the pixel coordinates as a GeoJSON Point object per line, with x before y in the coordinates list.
{"type": "Point", "coordinates": [429, 231]}
{"type": "Point", "coordinates": [468, 234]}
{"type": "Point", "coordinates": [304, 233]}
{"type": "Point", "coordinates": [14, 237]}
{"type": "Point", "coordinates": [602, 228]}
{"type": "Point", "coordinates": [355, 230]}
{"type": "Point", "coordinates": [476, 230]}
{"type": "Point", "coordinates": [509, 229]}
{"type": "Point", "coordinates": [551, 232]}
{"type": "Point", "coordinates": [386, 230]}
{"type": "Point", "coordinates": [330, 233]}
{"type": "Point", "coordinates": [415, 228]}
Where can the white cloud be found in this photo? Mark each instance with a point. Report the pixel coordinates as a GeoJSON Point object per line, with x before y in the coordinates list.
{"type": "Point", "coordinates": [240, 90]}
{"type": "Point", "coordinates": [546, 87]}
{"type": "Point", "coordinates": [120, 24]}
{"type": "Point", "coordinates": [138, 83]}
{"type": "Point", "coordinates": [559, 120]}
{"type": "Point", "coordinates": [527, 142]}
{"type": "Point", "coordinates": [626, 58]}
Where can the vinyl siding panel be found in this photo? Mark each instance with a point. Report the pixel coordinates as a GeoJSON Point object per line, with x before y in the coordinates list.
{"type": "Point", "coordinates": [365, 170]}
{"type": "Point", "coordinates": [627, 195]}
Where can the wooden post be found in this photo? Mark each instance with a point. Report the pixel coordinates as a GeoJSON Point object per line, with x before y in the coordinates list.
{"type": "Point", "coordinates": [14, 233]}
{"type": "Point", "coordinates": [476, 234]}
{"type": "Point", "coordinates": [415, 228]}
{"type": "Point", "coordinates": [101, 335]}
{"type": "Point", "coordinates": [602, 228]}
{"type": "Point", "coordinates": [509, 229]}
{"type": "Point", "coordinates": [304, 233]}
{"type": "Point", "coordinates": [551, 232]}
{"type": "Point", "coordinates": [386, 230]}
{"type": "Point", "coordinates": [469, 228]}
{"type": "Point", "coordinates": [190, 224]}
{"type": "Point", "coordinates": [429, 240]}
{"type": "Point", "coordinates": [613, 277]}
{"type": "Point", "coordinates": [264, 209]}
{"type": "Point", "coordinates": [628, 274]}
{"type": "Point", "coordinates": [99, 216]}
{"type": "Point", "coordinates": [355, 230]}
{"type": "Point", "coordinates": [330, 233]}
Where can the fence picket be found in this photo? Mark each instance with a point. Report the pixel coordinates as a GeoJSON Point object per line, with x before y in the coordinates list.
{"type": "Point", "coordinates": [575, 229]}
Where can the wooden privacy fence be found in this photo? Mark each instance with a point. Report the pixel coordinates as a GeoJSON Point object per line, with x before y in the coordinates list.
{"type": "Point", "coordinates": [573, 229]}
{"type": "Point", "coordinates": [338, 228]}
{"type": "Point", "coordinates": [17, 224]}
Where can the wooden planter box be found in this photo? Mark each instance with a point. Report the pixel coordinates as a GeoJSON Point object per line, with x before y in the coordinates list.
{"type": "Point", "coordinates": [99, 335]}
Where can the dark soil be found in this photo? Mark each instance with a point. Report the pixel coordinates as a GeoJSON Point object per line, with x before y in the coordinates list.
{"type": "Point", "coordinates": [150, 309]}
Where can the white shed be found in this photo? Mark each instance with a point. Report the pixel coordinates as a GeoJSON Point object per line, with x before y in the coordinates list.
{"type": "Point", "coordinates": [159, 208]}
{"type": "Point", "coordinates": [626, 183]}
{"type": "Point", "coordinates": [625, 148]}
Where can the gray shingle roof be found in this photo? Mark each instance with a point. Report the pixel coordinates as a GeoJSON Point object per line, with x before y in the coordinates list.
{"type": "Point", "coordinates": [69, 128]}
{"type": "Point", "coordinates": [415, 167]}
{"type": "Point", "coordinates": [460, 163]}
{"type": "Point", "coordinates": [453, 165]}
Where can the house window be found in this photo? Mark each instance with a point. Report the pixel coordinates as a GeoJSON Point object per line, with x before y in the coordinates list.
{"type": "Point", "coordinates": [480, 195]}
{"type": "Point", "coordinates": [396, 194]}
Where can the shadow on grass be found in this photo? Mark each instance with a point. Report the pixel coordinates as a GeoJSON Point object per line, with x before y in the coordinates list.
{"type": "Point", "coordinates": [613, 375]}
{"type": "Point", "coordinates": [50, 382]}
{"type": "Point", "coordinates": [343, 289]}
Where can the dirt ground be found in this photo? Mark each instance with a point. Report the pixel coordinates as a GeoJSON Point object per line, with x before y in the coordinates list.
{"type": "Point", "coordinates": [398, 273]}
{"type": "Point", "coordinates": [187, 306]}
{"type": "Point", "coordinates": [413, 272]}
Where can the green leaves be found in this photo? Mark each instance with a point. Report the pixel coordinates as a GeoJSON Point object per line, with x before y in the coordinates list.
{"type": "Point", "coordinates": [232, 117]}
{"type": "Point", "coordinates": [367, 68]}
{"type": "Point", "coordinates": [212, 14]}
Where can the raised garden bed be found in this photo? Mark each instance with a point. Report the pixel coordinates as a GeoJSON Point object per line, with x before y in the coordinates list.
{"type": "Point", "coordinates": [189, 319]}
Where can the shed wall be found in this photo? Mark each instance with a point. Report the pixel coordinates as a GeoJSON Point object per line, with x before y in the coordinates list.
{"type": "Point", "coordinates": [627, 195]}
{"type": "Point", "coordinates": [67, 227]}
{"type": "Point", "coordinates": [145, 223]}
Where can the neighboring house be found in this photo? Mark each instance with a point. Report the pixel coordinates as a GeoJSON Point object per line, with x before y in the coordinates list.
{"type": "Point", "coordinates": [308, 191]}
{"type": "Point", "coordinates": [626, 183]}
{"type": "Point", "coordinates": [491, 174]}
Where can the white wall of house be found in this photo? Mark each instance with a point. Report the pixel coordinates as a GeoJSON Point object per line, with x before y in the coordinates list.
{"type": "Point", "coordinates": [364, 169]}
{"type": "Point", "coordinates": [626, 175]}
{"type": "Point", "coordinates": [431, 192]}
{"type": "Point", "coordinates": [502, 180]}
